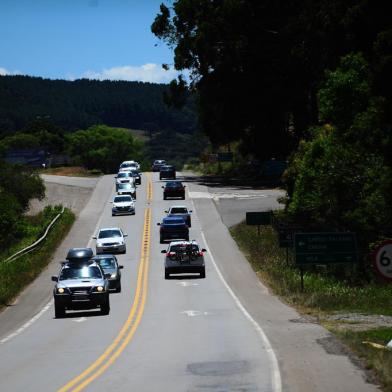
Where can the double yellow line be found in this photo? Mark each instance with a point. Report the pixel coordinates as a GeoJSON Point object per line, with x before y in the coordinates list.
{"type": "Point", "coordinates": [129, 328]}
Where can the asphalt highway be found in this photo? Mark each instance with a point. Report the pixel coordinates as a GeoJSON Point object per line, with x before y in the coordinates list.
{"type": "Point", "coordinates": [222, 333]}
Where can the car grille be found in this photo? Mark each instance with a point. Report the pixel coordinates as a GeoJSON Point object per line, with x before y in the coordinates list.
{"type": "Point", "coordinates": [80, 290]}
{"type": "Point", "coordinates": [110, 244]}
{"type": "Point", "coordinates": [123, 208]}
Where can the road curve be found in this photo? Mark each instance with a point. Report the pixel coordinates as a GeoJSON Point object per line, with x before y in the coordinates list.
{"type": "Point", "coordinates": [180, 335]}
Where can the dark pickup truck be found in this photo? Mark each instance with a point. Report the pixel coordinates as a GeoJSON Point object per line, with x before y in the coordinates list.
{"type": "Point", "coordinates": [173, 228]}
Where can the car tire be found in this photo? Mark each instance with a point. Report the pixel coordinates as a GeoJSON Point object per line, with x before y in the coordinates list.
{"type": "Point", "coordinates": [167, 274]}
{"type": "Point", "coordinates": [124, 251]}
{"type": "Point", "coordinates": [118, 288]}
{"type": "Point", "coordinates": [59, 310]}
{"type": "Point", "coordinates": [164, 197]}
{"type": "Point", "coordinates": [183, 197]}
{"type": "Point", "coordinates": [161, 240]}
{"type": "Point", "coordinates": [105, 307]}
{"type": "Point", "coordinates": [187, 238]}
{"type": "Point", "coordinates": [203, 273]}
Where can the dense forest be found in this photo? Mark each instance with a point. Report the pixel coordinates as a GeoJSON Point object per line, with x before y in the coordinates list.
{"type": "Point", "coordinates": [304, 80]}
{"type": "Point", "coordinates": [79, 104]}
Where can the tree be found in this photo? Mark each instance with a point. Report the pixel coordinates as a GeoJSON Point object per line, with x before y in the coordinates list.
{"type": "Point", "coordinates": [104, 148]}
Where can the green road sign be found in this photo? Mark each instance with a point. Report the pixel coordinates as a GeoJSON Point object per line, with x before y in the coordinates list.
{"type": "Point", "coordinates": [258, 218]}
{"type": "Point", "coordinates": [225, 156]}
{"type": "Point", "coordinates": [325, 248]}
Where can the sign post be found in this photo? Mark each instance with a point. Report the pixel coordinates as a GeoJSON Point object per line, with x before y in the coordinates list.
{"type": "Point", "coordinates": [325, 248]}
{"type": "Point", "coordinates": [382, 259]}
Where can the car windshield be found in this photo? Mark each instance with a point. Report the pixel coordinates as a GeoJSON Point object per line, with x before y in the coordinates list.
{"type": "Point", "coordinates": [123, 174]}
{"type": "Point", "coordinates": [109, 233]}
{"type": "Point", "coordinates": [159, 162]}
{"type": "Point", "coordinates": [122, 199]}
{"type": "Point", "coordinates": [129, 164]}
{"type": "Point", "coordinates": [83, 272]}
{"type": "Point", "coordinates": [178, 210]}
{"type": "Point", "coordinates": [107, 263]}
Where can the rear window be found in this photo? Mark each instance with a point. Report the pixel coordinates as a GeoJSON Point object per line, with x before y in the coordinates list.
{"type": "Point", "coordinates": [180, 247]}
{"type": "Point", "coordinates": [178, 210]}
{"type": "Point", "coordinates": [173, 184]}
{"type": "Point", "coordinates": [106, 263]}
{"type": "Point", "coordinates": [173, 221]}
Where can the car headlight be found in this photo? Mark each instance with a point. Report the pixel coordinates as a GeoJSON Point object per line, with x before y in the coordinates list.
{"type": "Point", "coordinates": [99, 288]}
{"type": "Point", "coordinates": [60, 290]}
{"type": "Point", "coordinates": [114, 275]}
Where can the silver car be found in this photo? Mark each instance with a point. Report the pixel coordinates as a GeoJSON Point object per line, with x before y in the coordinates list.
{"type": "Point", "coordinates": [126, 189]}
{"type": "Point", "coordinates": [123, 205]}
{"type": "Point", "coordinates": [110, 240]}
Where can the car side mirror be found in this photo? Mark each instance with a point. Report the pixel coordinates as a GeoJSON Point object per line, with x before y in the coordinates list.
{"type": "Point", "coordinates": [190, 211]}
{"type": "Point", "coordinates": [110, 202]}
{"type": "Point", "coordinates": [162, 187]}
{"type": "Point", "coordinates": [120, 267]}
{"type": "Point", "coordinates": [166, 211]}
{"type": "Point", "coordinates": [163, 251]}
{"type": "Point", "coordinates": [115, 176]}
{"type": "Point", "coordinates": [107, 276]}
{"type": "Point", "coordinates": [94, 238]}
{"type": "Point", "coordinates": [55, 278]}
{"type": "Point", "coordinates": [125, 235]}
{"type": "Point", "coordinates": [204, 250]}
{"type": "Point", "coordinates": [158, 224]}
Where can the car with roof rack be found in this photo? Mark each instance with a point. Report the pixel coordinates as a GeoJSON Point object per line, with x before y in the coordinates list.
{"type": "Point", "coordinates": [80, 284]}
{"type": "Point", "coordinates": [184, 257]}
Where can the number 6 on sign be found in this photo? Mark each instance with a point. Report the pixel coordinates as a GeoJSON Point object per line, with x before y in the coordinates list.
{"type": "Point", "coordinates": [382, 259]}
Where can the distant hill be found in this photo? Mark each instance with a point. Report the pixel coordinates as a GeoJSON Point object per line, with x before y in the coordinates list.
{"type": "Point", "coordinates": [78, 104]}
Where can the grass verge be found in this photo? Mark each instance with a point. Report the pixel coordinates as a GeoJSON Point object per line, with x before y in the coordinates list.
{"type": "Point", "coordinates": [72, 171]}
{"type": "Point", "coordinates": [15, 275]}
{"type": "Point", "coordinates": [323, 295]}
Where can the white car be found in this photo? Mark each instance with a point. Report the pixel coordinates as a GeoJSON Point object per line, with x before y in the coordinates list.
{"type": "Point", "coordinates": [122, 205]}
{"type": "Point", "coordinates": [124, 177]}
{"type": "Point", "coordinates": [130, 164]}
{"type": "Point", "coordinates": [110, 240]}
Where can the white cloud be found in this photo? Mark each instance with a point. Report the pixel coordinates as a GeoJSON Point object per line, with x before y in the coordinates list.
{"type": "Point", "coordinates": [4, 71]}
{"type": "Point", "coordinates": [150, 72]}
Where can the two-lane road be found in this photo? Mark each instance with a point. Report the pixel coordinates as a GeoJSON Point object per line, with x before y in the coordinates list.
{"type": "Point", "coordinates": [186, 334]}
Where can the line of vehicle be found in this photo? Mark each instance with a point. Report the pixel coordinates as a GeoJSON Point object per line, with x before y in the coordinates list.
{"type": "Point", "coordinates": [275, 371]}
{"type": "Point", "coordinates": [114, 350]}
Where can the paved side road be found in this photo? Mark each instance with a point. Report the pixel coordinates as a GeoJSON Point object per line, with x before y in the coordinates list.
{"type": "Point", "coordinates": [310, 358]}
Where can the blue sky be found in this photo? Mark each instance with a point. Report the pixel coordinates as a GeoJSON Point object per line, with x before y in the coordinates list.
{"type": "Point", "coordinates": [70, 39]}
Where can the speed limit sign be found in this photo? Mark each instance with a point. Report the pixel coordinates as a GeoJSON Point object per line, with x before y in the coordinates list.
{"type": "Point", "coordinates": [382, 258]}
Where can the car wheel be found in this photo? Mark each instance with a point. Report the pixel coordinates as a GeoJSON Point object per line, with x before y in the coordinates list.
{"type": "Point", "coordinates": [105, 307]}
{"type": "Point", "coordinates": [59, 310]}
{"type": "Point", "coordinates": [161, 240]}
{"type": "Point", "coordinates": [167, 274]}
{"type": "Point", "coordinates": [124, 251]}
{"type": "Point", "coordinates": [164, 197]}
{"type": "Point", "coordinates": [203, 273]}
{"type": "Point", "coordinates": [183, 197]}
{"type": "Point", "coordinates": [118, 289]}
{"type": "Point", "coordinates": [187, 238]}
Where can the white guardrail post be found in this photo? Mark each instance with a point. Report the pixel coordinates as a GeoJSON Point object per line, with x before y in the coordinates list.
{"type": "Point", "coordinates": [36, 243]}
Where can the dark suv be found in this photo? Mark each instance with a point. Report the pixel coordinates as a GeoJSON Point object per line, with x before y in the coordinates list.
{"type": "Point", "coordinates": [174, 189]}
{"type": "Point", "coordinates": [167, 171]}
{"type": "Point", "coordinates": [80, 284]}
{"type": "Point", "coordinates": [173, 228]}
{"type": "Point", "coordinates": [158, 163]}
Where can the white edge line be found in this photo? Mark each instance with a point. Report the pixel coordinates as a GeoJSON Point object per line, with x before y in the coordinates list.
{"type": "Point", "coordinates": [27, 324]}
{"type": "Point", "coordinates": [275, 372]}
{"type": "Point", "coordinates": [49, 304]}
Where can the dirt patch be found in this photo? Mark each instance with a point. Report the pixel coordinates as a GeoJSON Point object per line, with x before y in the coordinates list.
{"type": "Point", "coordinates": [72, 171]}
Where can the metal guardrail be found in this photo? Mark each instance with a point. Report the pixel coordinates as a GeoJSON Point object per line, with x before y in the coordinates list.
{"type": "Point", "coordinates": [36, 243]}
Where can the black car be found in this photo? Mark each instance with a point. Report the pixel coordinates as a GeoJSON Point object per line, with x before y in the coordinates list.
{"type": "Point", "coordinates": [184, 257]}
{"type": "Point", "coordinates": [80, 284]}
{"type": "Point", "coordinates": [137, 176]}
{"type": "Point", "coordinates": [173, 228]}
{"type": "Point", "coordinates": [174, 189]}
{"type": "Point", "coordinates": [158, 163]}
{"type": "Point", "coordinates": [167, 171]}
{"type": "Point", "coordinates": [110, 265]}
